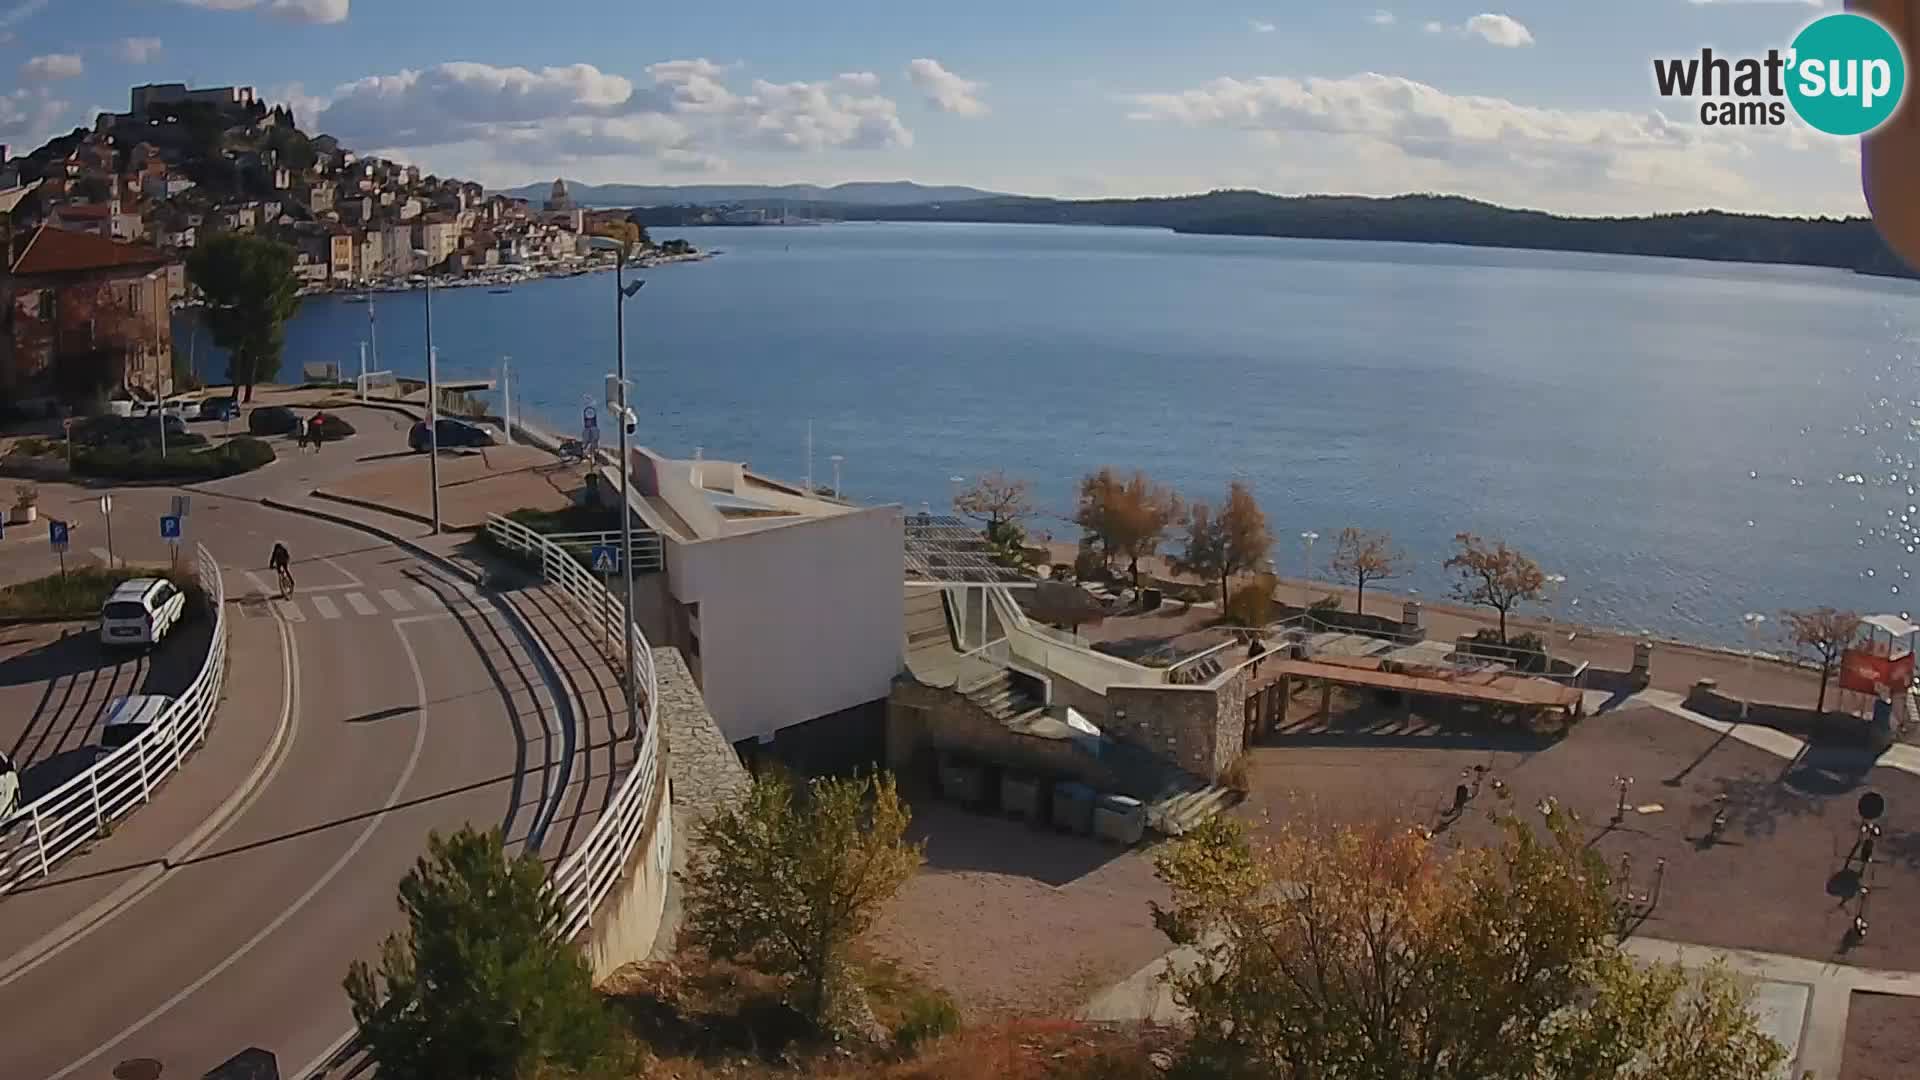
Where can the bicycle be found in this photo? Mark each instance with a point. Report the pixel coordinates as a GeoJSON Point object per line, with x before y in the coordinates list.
{"type": "Point", "coordinates": [286, 582]}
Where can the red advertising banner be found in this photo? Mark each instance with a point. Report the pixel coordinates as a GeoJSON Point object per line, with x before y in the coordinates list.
{"type": "Point", "coordinates": [1866, 671]}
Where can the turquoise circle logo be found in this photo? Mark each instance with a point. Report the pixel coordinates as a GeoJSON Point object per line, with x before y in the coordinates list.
{"type": "Point", "coordinates": [1848, 74]}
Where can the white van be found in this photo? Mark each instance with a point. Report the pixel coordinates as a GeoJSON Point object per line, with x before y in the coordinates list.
{"type": "Point", "coordinates": [141, 611]}
{"type": "Point", "coordinates": [9, 786]}
{"type": "Point", "coordinates": [127, 717]}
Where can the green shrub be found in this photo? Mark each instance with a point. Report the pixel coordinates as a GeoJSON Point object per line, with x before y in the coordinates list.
{"type": "Point", "coordinates": [929, 1014]}
{"type": "Point", "coordinates": [76, 594]}
{"type": "Point", "coordinates": [179, 463]}
{"type": "Point", "coordinates": [1526, 652]}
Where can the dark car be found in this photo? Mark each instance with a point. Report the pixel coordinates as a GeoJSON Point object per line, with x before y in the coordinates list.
{"type": "Point", "coordinates": [328, 427]}
{"type": "Point", "coordinates": [219, 408]}
{"type": "Point", "coordinates": [272, 420]}
{"type": "Point", "coordinates": [449, 433]}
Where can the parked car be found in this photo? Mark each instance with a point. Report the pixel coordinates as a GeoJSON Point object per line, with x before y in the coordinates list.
{"type": "Point", "coordinates": [127, 717]}
{"type": "Point", "coordinates": [178, 408]}
{"type": "Point", "coordinates": [133, 431]}
{"type": "Point", "coordinates": [450, 433]}
{"type": "Point", "coordinates": [141, 611]}
{"type": "Point", "coordinates": [328, 427]}
{"type": "Point", "coordinates": [9, 786]}
{"type": "Point", "coordinates": [272, 420]}
{"type": "Point", "coordinates": [226, 407]}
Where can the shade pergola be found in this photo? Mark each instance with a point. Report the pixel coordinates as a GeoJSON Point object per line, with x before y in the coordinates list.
{"type": "Point", "coordinates": [945, 551]}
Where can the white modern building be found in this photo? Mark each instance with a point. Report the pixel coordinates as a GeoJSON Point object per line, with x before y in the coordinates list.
{"type": "Point", "coordinates": [785, 604]}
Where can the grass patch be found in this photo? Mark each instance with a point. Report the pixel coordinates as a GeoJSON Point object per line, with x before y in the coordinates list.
{"type": "Point", "coordinates": [237, 455]}
{"type": "Point", "coordinates": [79, 592]}
{"type": "Point", "coordinates": [570, 520]}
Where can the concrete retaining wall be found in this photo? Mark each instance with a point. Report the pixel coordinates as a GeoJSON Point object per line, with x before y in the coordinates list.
{"type": "Point", "coordinates": [627, 923]}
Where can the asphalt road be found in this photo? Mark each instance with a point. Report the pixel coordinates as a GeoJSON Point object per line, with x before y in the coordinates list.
{"type": "Point", "coordinates": [412, 707]}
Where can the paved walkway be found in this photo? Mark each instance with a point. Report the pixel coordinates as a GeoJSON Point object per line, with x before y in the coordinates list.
{"type": "Point", "coordinates": [1803, 1003]}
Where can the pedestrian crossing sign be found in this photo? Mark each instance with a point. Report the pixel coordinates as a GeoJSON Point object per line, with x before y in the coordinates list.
{"type": "Point", "coordinates": [606, 558]}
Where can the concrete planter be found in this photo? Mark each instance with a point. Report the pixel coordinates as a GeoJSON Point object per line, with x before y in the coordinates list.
{"type": "Point", "coordinates": [24, 515]}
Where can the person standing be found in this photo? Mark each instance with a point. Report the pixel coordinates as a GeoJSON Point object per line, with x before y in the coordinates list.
{"type": "Point", "coordinates": [300, 431]}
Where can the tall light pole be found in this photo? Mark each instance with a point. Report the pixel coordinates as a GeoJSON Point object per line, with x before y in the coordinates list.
{"type": "Point", "coordinates": [1306, 589]}
{"type": "Point", "coordinates": [433, 400]}
{"type": "Point", "coordinates": [837, 493]}
{"type": "Point", "coordinates": [1753, 619]}
{"type": "Point", "coordinates": [1554, 581]}
{"type": "Point", "coordinates": [506, 396]}
{"type": "Point", "coordinates": [621, 294]}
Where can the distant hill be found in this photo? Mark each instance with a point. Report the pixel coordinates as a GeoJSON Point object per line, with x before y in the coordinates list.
{"type": "Point", "coordinates": [1843, 243]}
{"type": "Point", "coordinates": [891, 193]}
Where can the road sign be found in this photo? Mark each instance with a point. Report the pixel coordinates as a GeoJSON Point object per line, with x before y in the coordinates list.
{"type": "Point", "coordinates": [182, 505]}
{"type": "Point", "coordinates": [170, 527]}
{"type": "Point", "coordinates": [106, 504]}
{"type": "Point", "coordinates": [606, 559]}
{"type": "Point", "coordinates": [57, 535]}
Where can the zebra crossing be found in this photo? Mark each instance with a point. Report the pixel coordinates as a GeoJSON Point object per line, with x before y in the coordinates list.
{"type": "Point", "coordinates": [330, 604]}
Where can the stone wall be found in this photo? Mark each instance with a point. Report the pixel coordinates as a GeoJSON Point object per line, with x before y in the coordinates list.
{"type": "Point", "coordinates": [1200, 728]}
{"type": "Point", "coordinates": [923, 720]}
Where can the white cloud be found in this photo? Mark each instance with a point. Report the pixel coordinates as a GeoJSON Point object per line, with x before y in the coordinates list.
{"type": "Point", "coordinates": [1383, 134]}
{"type": "Point", "coordinates": [29, 116]}
{"type": "Point", "coordinates": [1261, 27]}
{"type": "Point", "coordinates": [1382, 17]}
{"type": "Point", "coordinates": [137, 50]}
{"type": "Point", "coordinates": [945, 90]}
{"type": "Point", "coordinates": [1798, 3]}
{"type": "Point", "coordinates": [680, 117]}
{"type": "Point", "coordinates": [15, 14]}
{"type": "Point", "coordinates": [1500, 30]}
{"type": "Point", "coordinates": [1435, 28]}
{"type": "Point", "coordinates": [302, 11]}
{"type": "Point", "coordinates": [52, 66]}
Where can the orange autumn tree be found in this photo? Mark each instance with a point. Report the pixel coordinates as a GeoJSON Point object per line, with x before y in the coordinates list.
{"type": "Point", "coordinates": [1372, 952]}
{"type": "Point", "coordinates": [1823, 634]}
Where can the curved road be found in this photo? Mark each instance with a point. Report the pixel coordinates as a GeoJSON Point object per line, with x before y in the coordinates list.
{"type": "Point", "coordinates": [409, 707]}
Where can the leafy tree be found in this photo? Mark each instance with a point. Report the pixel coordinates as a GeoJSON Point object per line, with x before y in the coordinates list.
{"type": "Point", "coordinates": [1350, 952]}
{"type": "Point", "coordinates": [1823, 633]}
{"type": "Point", "coordinates": [1231, 542]}
{"type": "Point", "coordinates": [1363, 555]}
{"type": "Point", "coordinates": [1128, 517]}
{"type": "Point", "coordinates": [789, 880]}
{"type": "Point", "coordinates": [481, 984]}
{"type": "Point", "coordinates": [251, 292]}
{"type": "Point", "coordinates": [1493, 575]}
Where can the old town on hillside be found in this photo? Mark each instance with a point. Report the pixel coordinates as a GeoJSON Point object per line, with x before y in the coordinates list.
{"type": "Point", "coordinates": [95, 226]}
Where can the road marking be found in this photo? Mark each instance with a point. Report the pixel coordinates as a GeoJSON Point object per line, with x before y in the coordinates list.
{"type": "Point", "coordinates": [209, 832]}
{"type": "Point", "coordinates": [360, 604]}
{"type": "Point", "coordinates": [344, 572]}
{"type": "Point", "coordinates": [292, 613]}
{"type": "Point", "coordinates": [103, 555]}
{"type": "Point", "coordinates": [325, 606]}
{"type": "Point", "coordinates": [396, 601]}
{"type": "Point", "coordinates": [393, 799]}
{"type": "Point", "coordinates": [260, 583]}
{"type": "Point", "coordinates": [432, 598]}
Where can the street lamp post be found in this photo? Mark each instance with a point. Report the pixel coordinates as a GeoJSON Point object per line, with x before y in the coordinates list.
{"type": "Point", "coordinates": [433, 400]}
{"type": "Point", "coordinates": [1753, 619]}
{"type": "Point", "coordinates": [837, 459]}
{"type": "Point", "coordinates": [621, 294]}
{"type": "Point", "coordinates": [1306, 570]}
{"type": "Point", "coordinates": [1554, 581]}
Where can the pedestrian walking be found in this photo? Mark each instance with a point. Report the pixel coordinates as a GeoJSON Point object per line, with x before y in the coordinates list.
{"type": "Point", "coordinates": [300, 432]}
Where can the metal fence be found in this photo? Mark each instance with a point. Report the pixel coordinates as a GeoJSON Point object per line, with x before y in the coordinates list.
{"type": "Point", "coordinates": [39, 835]}
{"type": "Point", "coordinates": [591, 870]}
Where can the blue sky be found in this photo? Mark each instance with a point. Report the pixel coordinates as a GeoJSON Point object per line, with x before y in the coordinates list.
{"type": "Point", "coordinates": [1546, 104]}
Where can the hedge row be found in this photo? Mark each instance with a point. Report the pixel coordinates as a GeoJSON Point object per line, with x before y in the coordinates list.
{"type": "Point", "coordinates": [237, 455]}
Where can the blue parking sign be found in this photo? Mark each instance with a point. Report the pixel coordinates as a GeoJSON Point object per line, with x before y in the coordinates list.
{"type": "Point", "coordinates": [606, 558]}
{"type": "Point", "coordinates": [57, 535]}
{"type": "Point", "coordinates": [170, 527]}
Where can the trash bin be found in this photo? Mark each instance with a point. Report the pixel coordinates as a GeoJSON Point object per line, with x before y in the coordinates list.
{"type": "Point", "coordinates": [1119, 818]}
{"type": "Point", "coordinates": [962, 782]}
{"type": "Point", "coordinates": [1149, 599]}
{"type": "Point", "coordinates": [1073, 807]}
{"type": "Point", "coordinates": [1021, 796]}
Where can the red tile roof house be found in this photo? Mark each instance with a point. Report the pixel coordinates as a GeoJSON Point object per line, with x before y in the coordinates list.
{"type": "Point", "coordinates": [81, 314]}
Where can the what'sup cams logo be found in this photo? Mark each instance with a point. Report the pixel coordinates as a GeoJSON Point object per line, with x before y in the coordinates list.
{"type": "Point", "coordinates": [1843, 75]}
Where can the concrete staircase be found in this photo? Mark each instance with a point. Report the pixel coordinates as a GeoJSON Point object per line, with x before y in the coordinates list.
{"type": "Point", "coordinates": [1177, 801]}
{"type": "Point", "coordinates": [1004, 699]}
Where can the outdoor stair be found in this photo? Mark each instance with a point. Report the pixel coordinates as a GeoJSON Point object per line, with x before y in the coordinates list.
{"type": "Point", "coordinates": [1001, 698]}
{"type": "Point", "coordinates": [1177, 801]}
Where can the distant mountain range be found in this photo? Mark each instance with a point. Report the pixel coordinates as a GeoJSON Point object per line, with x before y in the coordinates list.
{"type": "Point", "coordinates": [1843, 243]}
{"type": "Point", "coordinates": [889, 193]}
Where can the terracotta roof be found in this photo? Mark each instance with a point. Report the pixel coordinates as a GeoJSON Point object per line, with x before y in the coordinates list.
{"type": "Point", "coordinates": [57, 251]}
{"type": "Point", "coordinates": [84, 212]}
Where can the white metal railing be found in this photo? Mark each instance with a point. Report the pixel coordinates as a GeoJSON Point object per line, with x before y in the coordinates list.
{"type": "Point", "coordinates": [40, 834]}
{"type": "Point", "coordinates": [590, 871]}
{"type": "Point", "coordinates": [648, 552]}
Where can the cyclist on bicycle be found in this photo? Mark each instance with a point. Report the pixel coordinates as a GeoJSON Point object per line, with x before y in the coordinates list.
{"type": "Point", "coordinates": [282, 563]}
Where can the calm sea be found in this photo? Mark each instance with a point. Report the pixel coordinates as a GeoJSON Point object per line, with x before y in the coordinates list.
{"type": "Point", "coordinates": [1684, 441]}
